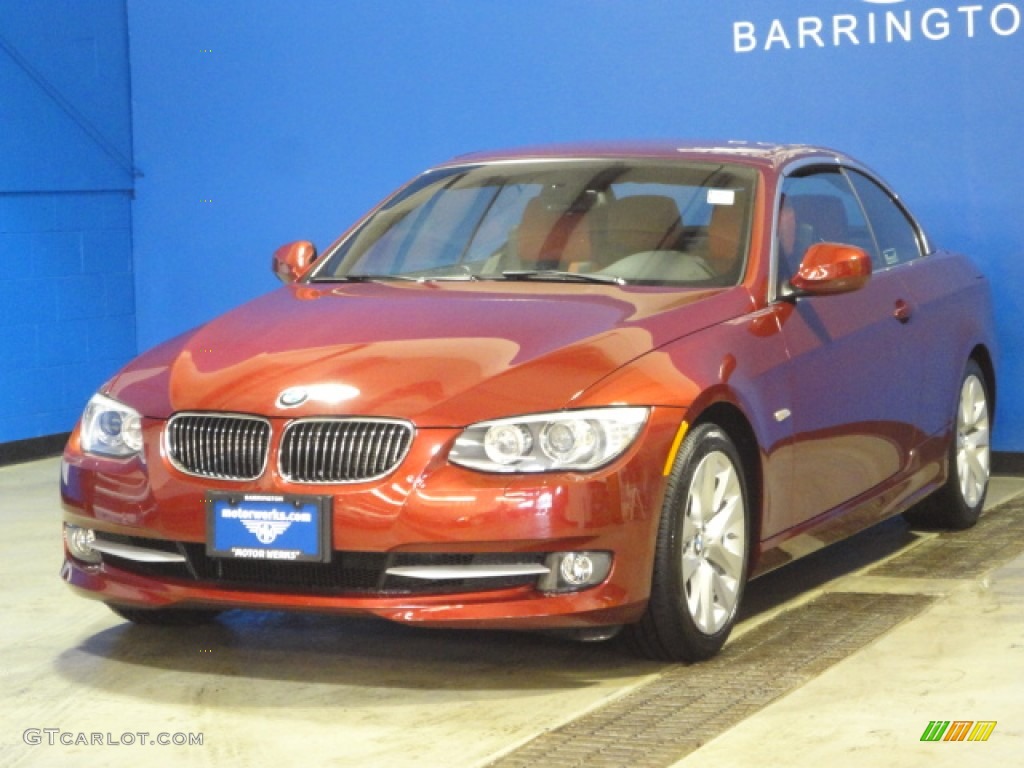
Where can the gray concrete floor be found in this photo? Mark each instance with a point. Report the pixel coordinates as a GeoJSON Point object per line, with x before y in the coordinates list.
{"type": "Point", "coordinates": [280, 689]}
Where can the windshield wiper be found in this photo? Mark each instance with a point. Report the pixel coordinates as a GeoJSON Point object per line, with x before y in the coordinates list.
{"type": "Point", "coordinates": [464, 277]}
{"type": "Point", "coordinates": [558, 275]}
{"type": "Point", "coordinates": [359, 278]}
{"type": "Point", "coordinates": [459, 278]}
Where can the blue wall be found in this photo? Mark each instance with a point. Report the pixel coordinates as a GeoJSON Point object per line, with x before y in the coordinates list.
{"type": "Point", "coordinates": [67, 306]}
{"type": "Point", "coordinates": [258, 123]}
{"type": "Point", "coordinates": [255, 128]}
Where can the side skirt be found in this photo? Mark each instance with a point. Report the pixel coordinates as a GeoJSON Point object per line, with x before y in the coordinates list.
{"type": "Point", "coordinates": [925, 474]}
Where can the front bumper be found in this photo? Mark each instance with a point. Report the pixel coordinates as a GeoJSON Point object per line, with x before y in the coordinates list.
{"type": "Point", "coordinates": [426, 512]}
{"type": "Point", "coordinates": [516, 608]}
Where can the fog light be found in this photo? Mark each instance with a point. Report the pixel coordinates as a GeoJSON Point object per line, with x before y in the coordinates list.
{"type": "Point", "coordinates": [79, 542]}
{"type": "Point", "coordinates": [576, 569]}
{"type": "Point", "coordinates": [572, 571]}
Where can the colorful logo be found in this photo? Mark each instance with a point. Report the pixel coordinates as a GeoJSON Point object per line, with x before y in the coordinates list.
{"type": "Point", "coordinates": [958, 730]}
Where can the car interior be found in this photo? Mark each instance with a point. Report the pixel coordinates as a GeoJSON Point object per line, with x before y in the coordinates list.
{"type": "Point", "coordinates": [641, 238]}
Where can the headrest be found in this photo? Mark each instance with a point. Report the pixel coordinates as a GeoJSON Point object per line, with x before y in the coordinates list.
{"type": "Point", "coordinates": [642, 223]}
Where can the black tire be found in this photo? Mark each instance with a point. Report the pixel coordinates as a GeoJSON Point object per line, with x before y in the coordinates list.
{"type": "Point", "coordinates": [692, 607]}
{"type": "Point", "coordinates": [958, 503]}
{"type": "Point", "coordinates": [166, 617]}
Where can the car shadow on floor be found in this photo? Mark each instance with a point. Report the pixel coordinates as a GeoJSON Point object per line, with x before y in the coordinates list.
{"type": "Point", "coordinates": [314, 650]}
{"type": "Point", "coordinates": [869, 547]}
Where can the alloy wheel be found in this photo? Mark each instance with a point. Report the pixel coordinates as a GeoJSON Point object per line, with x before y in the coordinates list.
{"type": "Point", "coordinates": [972, 441]}
{"type": "Point", "coordinates": [714, 540]}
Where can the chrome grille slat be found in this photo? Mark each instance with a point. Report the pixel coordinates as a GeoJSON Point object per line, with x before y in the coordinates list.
{"type": "Point", "coordinates": [223, 446]}
{"type": "Point", "coordinates": [357, 450]}
{"type": "Point", "coordinates": [233, 452]}
{"type": "Point", "coordinates": [203, 445]}
{"type": "Point", "coordinates": [314, 458]}
{"type": "Point", "coordinates": [363, 453]}
{"type": "Point", "coordinates": [325, 450]}
{"type": "Point", "coordinates": [346, 452]}
{"type": "Point", "coordinates": [389, 442]}
{"type": "Point", "coordinates": [333, 450]}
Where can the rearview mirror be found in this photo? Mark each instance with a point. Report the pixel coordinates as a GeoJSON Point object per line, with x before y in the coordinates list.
{"type": "Point", "coordinates": [831, 268]}
{"type": "Point", "coordinates": [291, 261]}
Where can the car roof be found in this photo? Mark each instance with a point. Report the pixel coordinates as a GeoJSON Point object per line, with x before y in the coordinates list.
{"type": "Point", "coordinates": [764, 155]}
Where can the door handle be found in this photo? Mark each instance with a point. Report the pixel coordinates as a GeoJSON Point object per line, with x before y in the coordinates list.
{"type": "Point", "coordinates": [902, 311]}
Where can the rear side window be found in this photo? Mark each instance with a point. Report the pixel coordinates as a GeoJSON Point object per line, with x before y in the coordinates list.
{"type": "Point", "coordinates": [894, 232]}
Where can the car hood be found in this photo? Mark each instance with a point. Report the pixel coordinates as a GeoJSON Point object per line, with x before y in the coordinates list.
{"type": "Point", "coordinates": [438, 354]}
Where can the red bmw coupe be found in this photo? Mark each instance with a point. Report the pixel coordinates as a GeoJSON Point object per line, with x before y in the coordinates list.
{"type": "Point", "coordinates": [586, 388]}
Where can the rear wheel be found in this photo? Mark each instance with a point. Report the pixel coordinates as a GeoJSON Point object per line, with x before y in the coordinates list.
{"type": "Point", "coordinates": [177, 617]}
{"type": "Point", "coordinates": [958, 503]}
{"type": "Point", "coordinates": [702, 551]}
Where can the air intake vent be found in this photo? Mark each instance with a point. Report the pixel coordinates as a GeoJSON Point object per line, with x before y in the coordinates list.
{"type": "Point", "coordinates": [342, 450]}
{"type": "Point", "coordinates": [224, 446]}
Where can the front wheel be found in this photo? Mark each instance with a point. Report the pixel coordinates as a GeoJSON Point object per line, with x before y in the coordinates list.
{"type": "Point", "coordinates": [957, 504]}
{"type": "Point", "coordinates": [701, 555]}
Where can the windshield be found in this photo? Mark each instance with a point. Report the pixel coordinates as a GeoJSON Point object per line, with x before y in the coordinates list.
{"type": "Point", "coordinates": [638, 222]}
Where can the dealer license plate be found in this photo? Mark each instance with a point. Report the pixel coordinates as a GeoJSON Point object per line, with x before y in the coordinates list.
{"type": "Point", "coordinates": [268, 527]}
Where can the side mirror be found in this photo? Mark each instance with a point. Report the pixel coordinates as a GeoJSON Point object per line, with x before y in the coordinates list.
{"type": "Point", "coordinates": [831, 268]}
{"type": "Point", "coordinates": [291, 261]}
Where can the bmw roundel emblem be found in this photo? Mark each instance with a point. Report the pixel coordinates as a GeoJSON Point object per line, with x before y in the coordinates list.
{"type": "Point", "coordinates": [292, 397]}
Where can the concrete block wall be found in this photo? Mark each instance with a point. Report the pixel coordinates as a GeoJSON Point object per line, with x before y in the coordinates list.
{"type": "Point", "coordinates": [67, 305]}
{"type": "Point", "coordinates": [67, 283]}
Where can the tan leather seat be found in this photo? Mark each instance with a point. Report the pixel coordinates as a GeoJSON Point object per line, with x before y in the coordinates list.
{"type": "Point", "coordinates": [552, 236]}
{"type": "Point", "coordinates": [725, 231]}
{"type": "Point", "coordinates": [639, 223]}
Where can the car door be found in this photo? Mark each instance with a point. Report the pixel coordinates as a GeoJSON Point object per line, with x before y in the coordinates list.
{"type": "Point", "coordinates": [851, 358]}
{"type": "Point", "coordinates": [899, 246]}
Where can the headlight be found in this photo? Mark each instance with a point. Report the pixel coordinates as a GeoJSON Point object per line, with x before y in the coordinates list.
{"type": "Point", "coordinates": [544, 442]}
{"type": "Point", "coordinates": [111, 428]}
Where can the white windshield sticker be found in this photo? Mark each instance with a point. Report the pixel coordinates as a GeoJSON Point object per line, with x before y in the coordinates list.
{"type": "Point", "coordinates": [721, 196]}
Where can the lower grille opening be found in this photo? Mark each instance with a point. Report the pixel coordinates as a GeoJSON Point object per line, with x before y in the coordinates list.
{"type": "Point", "coordinates": [348, 573]}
